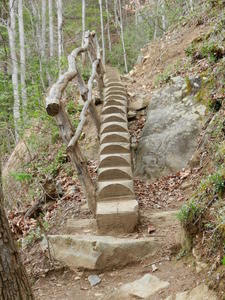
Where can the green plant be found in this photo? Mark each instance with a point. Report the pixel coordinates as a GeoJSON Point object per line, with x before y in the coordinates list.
{"type": "Point", "coordinates": [21, 176]}
{"type": "Point", "coordinates": [223, 261]}
{"type": "Point", "coordinates": [60, 159]}
{"type": "Point", "coordinates": [189, 213]}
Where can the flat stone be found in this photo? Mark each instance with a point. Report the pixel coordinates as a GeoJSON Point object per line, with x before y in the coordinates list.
{"type": "Point", "coordinates": [94, 279]}
{"type": "Point", "coordinates": [114, 109]}
{"type": "Point", "coordinates": [142, 288]}
{"type": "Point", "coordinates": [113, 173]}
{"type": "Point", "coordinates": [99, 252]}
{"type": "Point", "coordinates": [113, 118]}
{"type": "Point", "coordinates": [115, 102]}
{"type": "Point", "coordinates": [114, 83]}
{"type": "Point", "coordinates": [84, 225]}
{"type": "Point", "coordinates": [115, 97]}
{"type": "Point", "coordinates": [119, 137]}
{"type": "Point", "coordinates": [117, 188]}
{"type": "Point", "coordinates": [201, 292]}
{"type": "Point", "coordinates": [117, 215]}
{"type": "Point", "coordinates": [115, 160]}
{"type": "Point", "coordinates": [113, 127]}
{"type": "Point", "coordinates": [113, 148]}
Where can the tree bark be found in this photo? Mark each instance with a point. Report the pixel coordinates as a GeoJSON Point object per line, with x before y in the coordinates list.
{"type": "Point", "coordinates": [60, 38]}
{"type": "Point", "coordinates": [22, 57]}
{"type": "Point", "coordinates": [51, 31]}
{"type": "Point", "coordinates": [122, 36]}
{"type": "Point", "coordinates": [14, 283]}
{"type": "Point", "coordinates": [102, 32]}
{"type": "Point", "coordinates": [108, 25]}
{"type": "Point", "coordinates": [43, 27]}
{"type": "Point", "coordinates": [12, 44]}
{"type": "Point", "coordinates": [156, 20]}
{"type": "Point", "coordinates": [163, 16]}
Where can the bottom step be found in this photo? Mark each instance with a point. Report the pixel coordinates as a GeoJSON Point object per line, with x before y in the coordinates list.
{"type": "Point", "coordinates": [99, 252]}
{"type": "Point", "coordinates": [117, 216]}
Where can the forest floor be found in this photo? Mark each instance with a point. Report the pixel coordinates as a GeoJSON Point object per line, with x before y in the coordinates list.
{"type": "Point", "coordinates": [166, 194]}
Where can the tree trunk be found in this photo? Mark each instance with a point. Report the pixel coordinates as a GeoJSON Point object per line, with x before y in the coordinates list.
{"type": "Point", "coordinates": [137, 8]}
{"type": "Point", "coordinates": [102, 31]}
{"type": "Point", "coordinates": [51, 31]}
{"type": "Point", "coordinates": [122, 37]}
{"type": "Point", "coordinates": [12, 44]}
{"type": "Point", "coordinates": [156, 20]}
{"type": "Point", "coordinates": [22, 57]}
{"type": "Point", "coordinates": [83, 21]}
{"type": "Point", "coordinates": [191, 5]}
{"type": "Point", "coordinates": [60, 38]}
{"type": "Point", "coordinates": [43, 27]}
{"type": "Point", "coordinates": [163, 16]}
{"type": "Point", "coordinates": [108, 25]}
{"type": "Point", "coordinates": [14, 284]}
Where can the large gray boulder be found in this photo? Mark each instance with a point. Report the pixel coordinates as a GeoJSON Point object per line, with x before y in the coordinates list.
{"type": "Point", "coordinates": [169, 138]}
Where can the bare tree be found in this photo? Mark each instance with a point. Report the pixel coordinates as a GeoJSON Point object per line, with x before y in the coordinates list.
{"type": "Point", "coordinates": [60, 36]}
{"type": "Point", "coordinates": [22, 56]}
{"type": "Point", "coordinates": [108, 25]}
{"type": "Point", "coordinates": [14, 283]}
{"type": "Point", "coordinates": [102, 31]}
{"type": "Point", "coordinates": [12, 44]}
{"type": "Point", "coordinates": [163, 16]}
{"type": "Point", "coordinates": [156, 20]}
{"type": "Point", "coordinates": [83, 21]}
{"type": "Point", "coordinates": [43, 27]}
{"type": "Point", "coordinates": [122, 36]}
{"type": "Point", "coordinates": [51, 31]}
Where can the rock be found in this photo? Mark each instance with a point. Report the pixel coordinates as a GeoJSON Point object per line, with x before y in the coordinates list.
{"type": "Point", "coordinates": [82, 225]}
{"type": "Point", "coordinates": [99, 252]}
{"type": "Point", "coordinates": [94, 280]}
{"type": "Point", "coordinates": [141, 101]}
{"type": "Point", "coordinates": [154, 268]}
{"type": "Point", "coordinates": [169, 137]}
{"type": "Point", "coordinates": [201, 292]}
{"type": "Point", "coordinates": [142, 288]}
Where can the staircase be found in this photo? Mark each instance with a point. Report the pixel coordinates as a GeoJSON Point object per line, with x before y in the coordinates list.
{"type": "Point", "coordinates": [117, 208]}
{"type": "Point", "coordinates": [102, 243]}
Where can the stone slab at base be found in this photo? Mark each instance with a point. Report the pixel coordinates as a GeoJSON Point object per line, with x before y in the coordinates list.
{"type": "Point", "coordinates": [99, 252]}
{"type": "Point", "coordinates": [119, 216]}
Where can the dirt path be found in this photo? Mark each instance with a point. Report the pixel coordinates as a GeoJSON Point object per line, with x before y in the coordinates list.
{"type": "Point", "coordinates": [159, 203]}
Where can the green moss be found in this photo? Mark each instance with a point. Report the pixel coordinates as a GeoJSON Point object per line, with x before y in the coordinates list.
{"type": "Point", "coordinates": [188, 85]}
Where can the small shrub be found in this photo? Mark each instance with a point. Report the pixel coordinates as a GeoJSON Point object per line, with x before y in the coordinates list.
{"type": "Point", "coordinates": [21, 176]}
{"type": "Point", "coordinates": [189, 213]}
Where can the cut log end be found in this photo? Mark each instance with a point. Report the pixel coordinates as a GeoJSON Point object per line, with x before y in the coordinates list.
{"type": "Point", "coordinates": [52, 109]}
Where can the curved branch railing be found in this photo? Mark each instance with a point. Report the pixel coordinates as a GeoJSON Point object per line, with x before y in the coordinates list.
{"type": "Point", "coordinates": [55, 108]}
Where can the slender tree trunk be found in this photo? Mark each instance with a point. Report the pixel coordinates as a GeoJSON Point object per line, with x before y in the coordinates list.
{"type": "Point", "coordinates": [108, 25]}
{"type": "Point", "coordinates": [102, 31]}
{"type": "Point", "coordinates": [191, 5]}
{"type": "Point", "coordinates": [43, 27]}
{"type": "Point", "coordinates": [12, 44]}
{"type": "Point", "coordinates": [156, 20]}
{"type": "Point", "coordinates": [60, 38]}
{"type": "Point", "coordinates": [83, 21]}
{"type": "Point", "coordinates": [163, 16]}
{"type": "Point", "coordinates": [22, 57]}
{"type": "Point", "coordinates": [115, 14]}
{"type": "Point", "coordinates": [51, 31]}
{"type": "Point", "coordinates": [14, 284]}
{"type": "Point", "coordinates": [122, 36]}
{"type": "Point", "coordinates": [137, 8]}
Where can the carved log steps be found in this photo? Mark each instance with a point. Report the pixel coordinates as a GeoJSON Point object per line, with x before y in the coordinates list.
{"type": "Point", "coordinates": [117, 208]}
